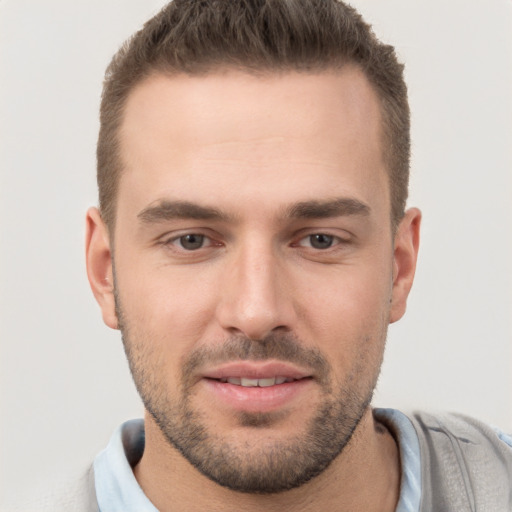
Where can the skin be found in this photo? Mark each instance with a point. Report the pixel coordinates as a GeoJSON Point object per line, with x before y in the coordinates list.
{"type": "Point", "coordinates": [253, 148]}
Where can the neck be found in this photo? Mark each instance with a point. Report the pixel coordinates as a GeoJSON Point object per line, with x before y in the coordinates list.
{"type": "Point", "coordinates": [365, 476]}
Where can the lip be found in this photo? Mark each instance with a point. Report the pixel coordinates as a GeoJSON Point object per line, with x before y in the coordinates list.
{"type": "Point", "coordinates": [256, 399]}
{"type": "Point", "coordinates": [256, 370]}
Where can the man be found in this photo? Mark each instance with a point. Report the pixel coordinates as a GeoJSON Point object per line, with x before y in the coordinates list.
{"type": "Point", "coordinates": [252, 246]}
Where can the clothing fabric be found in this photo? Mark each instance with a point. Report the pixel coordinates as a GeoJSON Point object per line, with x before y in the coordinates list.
{"type": "Point", "coordinates": [466, 465]}
{"type": "Point", "coordinates": [410, 458]}
{"type": "Point", "coordinates": [450, 463]}
{"type": "Point", "coordinates": [116, 486]}
{"type": "Point", "coordinates": [78, 495]}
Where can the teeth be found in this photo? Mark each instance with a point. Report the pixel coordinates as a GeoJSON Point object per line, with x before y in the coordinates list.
{"type": "Point", "coordinates": [263, 383]}
{"type": "Point", "coordinates": [252, 383]}
{"type": "Point", "coordinates": [249, 383]}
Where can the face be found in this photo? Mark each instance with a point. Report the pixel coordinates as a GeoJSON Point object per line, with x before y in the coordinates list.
{"type": "Point", "coordinates": [255, 269]}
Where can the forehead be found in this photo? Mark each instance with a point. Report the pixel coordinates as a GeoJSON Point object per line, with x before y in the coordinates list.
{"type": "Point", "coordinates": [260, 136]}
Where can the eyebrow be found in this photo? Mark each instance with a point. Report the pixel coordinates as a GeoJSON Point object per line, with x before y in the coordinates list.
{"type": "Point", "coordinates": [324, 209]}
{"type": "Point", "coordinates": [166, 210]}
{"type": "Point", "coordinates": [169, 210]}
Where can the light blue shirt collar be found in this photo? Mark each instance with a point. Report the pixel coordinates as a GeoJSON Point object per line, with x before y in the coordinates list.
{"type": "Point", "coordinates": [410, 458]}
{"type": "Point", "coordinates": [117, 489]}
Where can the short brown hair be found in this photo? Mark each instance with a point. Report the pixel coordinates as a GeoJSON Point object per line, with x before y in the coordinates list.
{"type": "Point", "coordinates": [199, 36]}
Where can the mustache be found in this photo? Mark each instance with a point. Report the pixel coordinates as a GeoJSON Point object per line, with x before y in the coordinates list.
{"type": "Point", "coordinates": [282, 346]}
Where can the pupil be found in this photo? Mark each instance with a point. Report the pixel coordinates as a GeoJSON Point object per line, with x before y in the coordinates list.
{"type": "Point", "coordinates": [321, 241]}
{"type": "Point", "coordinates": [192, 242]}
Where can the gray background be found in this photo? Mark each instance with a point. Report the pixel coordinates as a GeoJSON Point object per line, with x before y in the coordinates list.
{"type": "Point", "coordinates": [64, 383]}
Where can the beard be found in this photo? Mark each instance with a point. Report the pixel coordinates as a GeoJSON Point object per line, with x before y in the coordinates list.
{"type": "Point", "coordinates": [266, 464]}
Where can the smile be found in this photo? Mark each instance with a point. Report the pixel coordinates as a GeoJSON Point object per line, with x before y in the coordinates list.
{"type": "Point", "coordinates": [252, 383]}
{"type": "Point", "coordinates": [256, 386]}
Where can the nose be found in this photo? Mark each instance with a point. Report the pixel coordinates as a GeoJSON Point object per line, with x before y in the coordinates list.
{"type": "Point", "coordinates": [254, 295]}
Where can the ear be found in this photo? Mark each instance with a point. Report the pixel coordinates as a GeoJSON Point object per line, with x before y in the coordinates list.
{"type": "Point", "coordinates": [407, 240]}
{"type": "Point", "coordinates": [99, 266]}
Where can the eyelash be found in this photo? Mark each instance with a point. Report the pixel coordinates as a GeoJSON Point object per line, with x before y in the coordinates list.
{"type": "Point", "coordinates": [177, 242]}
{"type": "Point", "coordinates": [334, 240]}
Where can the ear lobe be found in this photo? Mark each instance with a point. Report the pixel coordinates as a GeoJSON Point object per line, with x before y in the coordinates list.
{"type": "Point", "coordinates": [99, 266]}
{"type": "Point", "coordinates": [406, 247]}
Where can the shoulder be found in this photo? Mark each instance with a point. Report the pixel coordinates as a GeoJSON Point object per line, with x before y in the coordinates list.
{"type": "Point", "coordinates": [460, 430]}
{"type": "Point", "coordinates": [77, 494]}
{"type": "Point", "coordinates": [465, 463]}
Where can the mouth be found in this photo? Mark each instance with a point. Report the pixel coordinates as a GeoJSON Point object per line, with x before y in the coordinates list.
{"type": "Point", "coordinates": [253, 374]}
{"type": "Point", "coordinates": [248, 382]}
{"type": "Point", "coordinates": [256, 386]}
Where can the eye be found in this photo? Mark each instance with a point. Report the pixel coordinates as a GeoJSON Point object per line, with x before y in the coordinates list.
{"type": "Point", "coordinates": [190, 242]}
{"type": "Point", "coordinates": [318, 241]}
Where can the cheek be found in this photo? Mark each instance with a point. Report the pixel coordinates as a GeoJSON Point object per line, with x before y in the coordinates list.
{"type": "Point", "coordinates": [346, 315]}
{"type": "Point", "coordinates": [166, 305]}
{"type": "Point", "coordinates": [350, 296]}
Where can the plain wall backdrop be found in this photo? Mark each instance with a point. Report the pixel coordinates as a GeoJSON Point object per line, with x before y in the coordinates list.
{"type": "Point", "coordinates": [64, 382]}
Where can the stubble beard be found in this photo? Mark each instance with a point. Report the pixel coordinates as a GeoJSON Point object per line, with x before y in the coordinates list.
{"type": "Point", "coordinates": [259, 468]}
